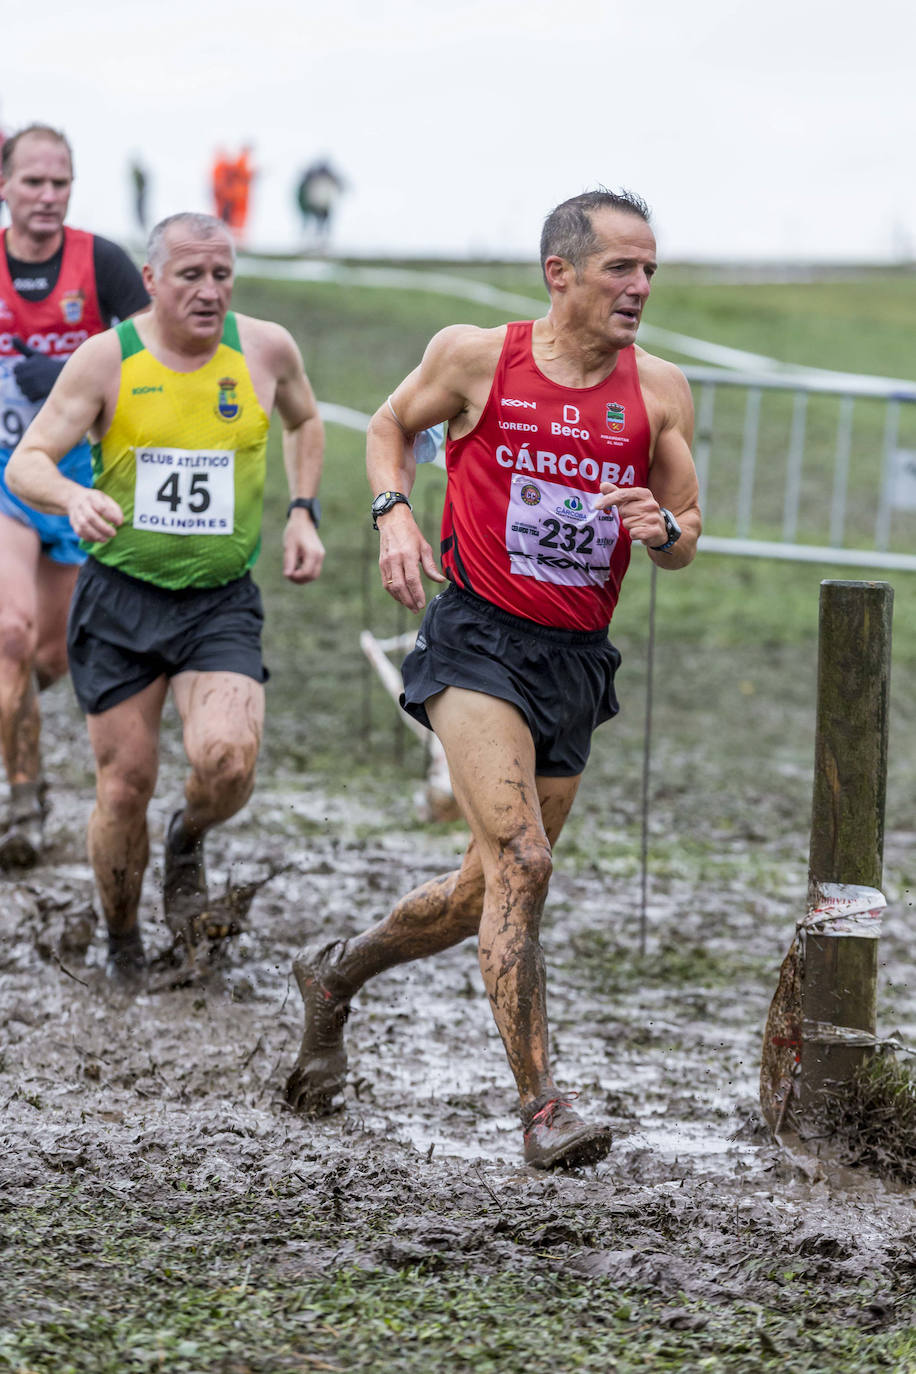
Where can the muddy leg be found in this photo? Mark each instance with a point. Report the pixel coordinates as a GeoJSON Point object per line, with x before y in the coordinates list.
{"type": "Point", "coordinates": [438, 914]}
{"type": "Point", "coordinates": [19, 716]}
{"type": "Point", "coordinates": [514, 818]}
{"type": "Point", "coordinates": [222, 715]}
{"type": "Point", "coordinates": [125, 740]}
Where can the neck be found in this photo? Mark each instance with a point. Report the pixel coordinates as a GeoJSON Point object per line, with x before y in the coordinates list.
{"type": "Point", "coordinates": [29, 248]}
{"type": "Point", "coordinates": [570, 356]}
{"type": "Point", "coordinates": [183, 352]}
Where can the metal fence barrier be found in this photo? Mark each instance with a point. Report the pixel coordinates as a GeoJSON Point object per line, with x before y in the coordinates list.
{"type": "Point", "coordinates": [808, 468]}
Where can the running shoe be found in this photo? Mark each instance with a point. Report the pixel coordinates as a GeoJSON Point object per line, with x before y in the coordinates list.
{"type": "Point", "coordinates": [321, 1069]}
{"type": "Point", "coordinates": [125, 966]}
{"type": "Point", "coordinates": [556, 1137]}
{"type": "Point", "coordinates": [184, 886]}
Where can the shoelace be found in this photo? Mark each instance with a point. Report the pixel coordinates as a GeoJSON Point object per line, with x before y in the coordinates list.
{"type": "Point", "coordinates": [544, 1115]}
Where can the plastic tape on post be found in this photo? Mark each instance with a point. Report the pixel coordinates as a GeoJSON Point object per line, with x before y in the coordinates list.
{"type": "Point", "coordinates": [845, 909]}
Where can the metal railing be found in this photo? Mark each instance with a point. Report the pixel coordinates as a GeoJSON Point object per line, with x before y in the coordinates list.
{"type": "Point", "coordinates": [807, 467]}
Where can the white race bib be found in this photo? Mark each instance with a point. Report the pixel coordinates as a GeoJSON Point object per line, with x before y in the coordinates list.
{"type": "Point", "coordinates": [185, 491]}
{"type": "Point", "coordinates": [554, 533]}
{"type": "Point", "coordinates": [16, 413]}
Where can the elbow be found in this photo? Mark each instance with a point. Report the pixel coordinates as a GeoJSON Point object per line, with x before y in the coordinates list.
{"type": "Point", "coordinates": [13, 473]}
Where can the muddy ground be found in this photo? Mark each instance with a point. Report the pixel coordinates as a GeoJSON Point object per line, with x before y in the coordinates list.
{"type": "Point", "coordinates": [171, 1104]}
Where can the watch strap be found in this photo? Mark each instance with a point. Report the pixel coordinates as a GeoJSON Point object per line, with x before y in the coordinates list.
{"type": "Point", "coordinates": [309, 503]}
{"type": "Point", "coordinates": [386, 501]}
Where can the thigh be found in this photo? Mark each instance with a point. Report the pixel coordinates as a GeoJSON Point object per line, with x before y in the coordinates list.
{"type": "Point", "coordinates": [125, 738]}
{"type": "Point", "coordinates": [55, 582]}
{"type": "Point", "coordinates": [219, 708]}
{"type": "Point", "coordinates": [491, 760]}
{"type": "Point", "coordinates": [20, 554]}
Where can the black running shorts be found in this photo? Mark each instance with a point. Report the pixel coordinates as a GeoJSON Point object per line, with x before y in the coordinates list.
{"type": "Point", "coordinates": [124, 633]}
{"type": "Point", "coordinates": [562, 681]}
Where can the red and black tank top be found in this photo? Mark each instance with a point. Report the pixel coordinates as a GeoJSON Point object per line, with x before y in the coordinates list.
{"type": "Point", "coordinates": [519, 526]}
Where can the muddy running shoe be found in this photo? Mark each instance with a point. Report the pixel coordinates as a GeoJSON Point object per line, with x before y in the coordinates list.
{"type": "Point", "coordinates": [321, 1068]}
{"type": "Point", "coordinates": [21, 842]}
{"type": "Point", "coordinates": [556, 1137]}
{"type": "Point", "coordinates": [184, 885]}
{"type": "Point", "coordinates": [125, 966]}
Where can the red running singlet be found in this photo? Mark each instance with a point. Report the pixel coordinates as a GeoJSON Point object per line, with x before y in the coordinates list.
{"type": "Point", "coordinates": [519, 527]}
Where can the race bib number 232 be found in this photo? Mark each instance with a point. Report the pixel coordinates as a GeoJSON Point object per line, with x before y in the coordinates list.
{"type": "Point", "coordinates": [185, 491]}
{"type": "Point", "coordinates": [555, 534]}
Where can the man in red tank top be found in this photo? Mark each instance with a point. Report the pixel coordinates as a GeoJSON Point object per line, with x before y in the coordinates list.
{"type": "Point", "coordinates": [58, 286]}
{"type": "Point", "coordinates": [566, 443]}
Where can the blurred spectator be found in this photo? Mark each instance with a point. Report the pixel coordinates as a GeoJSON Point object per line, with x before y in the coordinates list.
{"type": "Point", "coordinates": [140, 182]}
{"type": "Point", "coordinates": [317, 194]}
{"type": "Point", "coordinates": [231, 183]}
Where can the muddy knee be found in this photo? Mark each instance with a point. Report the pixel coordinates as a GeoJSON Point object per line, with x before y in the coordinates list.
{"type": "Point", "coordinates": [124, 796]}
{"type": "Point", "coordinates": [18, 638]}
{"type": "Point", "coordinates": [524, 865]}
{"type": "Point", "coordinates": [224, 771]}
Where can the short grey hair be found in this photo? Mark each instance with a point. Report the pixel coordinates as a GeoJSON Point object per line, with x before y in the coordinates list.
{"type": "Point", "coordinates": [199, 226]}
{"type": "Point", "coordinates": [568, 231]}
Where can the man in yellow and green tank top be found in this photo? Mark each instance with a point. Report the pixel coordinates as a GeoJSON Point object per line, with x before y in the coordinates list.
{"type": "Point", "coordinates": [177, 404]}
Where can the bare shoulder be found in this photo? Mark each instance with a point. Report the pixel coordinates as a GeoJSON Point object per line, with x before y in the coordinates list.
{"type": "Point", "coordinates": [98, 356]}
{"type": "Point", "coordinates": [271, 344]}
{"type": "Point", "coordinates": [663, 380]}
{"type": "Point", "coordinates": [465, 348]}
{"type": "Point", "coordinates": [101, 347]}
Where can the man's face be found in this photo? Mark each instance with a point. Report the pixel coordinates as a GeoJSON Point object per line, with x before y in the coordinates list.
{"type": "Point", "coordinates": [194, 288]}
{"type": "Point", "coordinates": [614, 282]}
{"type": "Point", "coordinates": [37, 189]}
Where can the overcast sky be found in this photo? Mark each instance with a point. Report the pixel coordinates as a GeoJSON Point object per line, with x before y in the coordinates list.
{"type": "Point", "coordinates": [783, 130]}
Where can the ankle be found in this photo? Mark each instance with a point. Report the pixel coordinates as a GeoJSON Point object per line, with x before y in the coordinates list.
{"type": "Point", "coordinates": [180, 839]}
{"type": "Point", "coordinates": [120, 940]}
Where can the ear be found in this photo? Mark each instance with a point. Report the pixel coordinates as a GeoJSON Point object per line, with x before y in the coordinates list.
{"type": "Point", "coordinates": [149, 280]}
{"type": "Point", "coordinates": [558, 272]}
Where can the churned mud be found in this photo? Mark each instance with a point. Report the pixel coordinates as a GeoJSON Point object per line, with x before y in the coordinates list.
{"type": "Point", "coordinates": [129, 1095]}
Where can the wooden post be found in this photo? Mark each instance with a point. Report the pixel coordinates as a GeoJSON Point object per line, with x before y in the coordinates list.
{"type": "Point", "coordinates": [839, 971]}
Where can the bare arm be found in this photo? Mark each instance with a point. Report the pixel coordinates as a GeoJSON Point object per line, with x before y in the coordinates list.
{"type": "Point", "coordinates": [73, 408]}
{"type": "Point", "coordinates": [672, 476]}
{"type": "Point", "coordinates": [303, 458]}
{"type": "Point", "coordinates": [443, 387]}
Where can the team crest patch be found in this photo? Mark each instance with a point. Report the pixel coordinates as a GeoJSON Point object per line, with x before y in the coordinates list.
{"type": "Point", "coordinates": [530, 494]}
{"type": "Point", "coordinates": [616, 417]}
{"type": "Point", "coordinates": [227, 407]}
{"type": "Point", "coordinates": [72, 305]}
{"type": "Point", "coordinates": [5, 312]}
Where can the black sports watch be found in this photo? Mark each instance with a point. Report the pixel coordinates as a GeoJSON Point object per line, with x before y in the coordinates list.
{"type": "Point", "coordinates": [674, 532]}
{"type": "Point", "coordinates": [309, 503]}
{"type": "Point", "coordinates": [384, 502]}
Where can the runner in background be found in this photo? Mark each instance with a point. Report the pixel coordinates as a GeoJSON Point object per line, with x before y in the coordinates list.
{"type": "Point", "coordinates": [178, 404]}
{"type": "Point", "coordinates": [58, 286]}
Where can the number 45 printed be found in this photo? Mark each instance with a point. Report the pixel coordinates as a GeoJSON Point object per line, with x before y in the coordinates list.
{"type": "Point", "coordinates": [181, 491]}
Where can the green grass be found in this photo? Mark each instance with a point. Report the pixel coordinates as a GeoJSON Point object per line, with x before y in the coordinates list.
{"type": "Point", "coordinates": [95, 1287]}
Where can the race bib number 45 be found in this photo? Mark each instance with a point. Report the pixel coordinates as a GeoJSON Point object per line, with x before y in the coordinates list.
{"type": "Point", "coordinates": [555, 534]}
{"type": "Point", "coordinates": [185, 491]}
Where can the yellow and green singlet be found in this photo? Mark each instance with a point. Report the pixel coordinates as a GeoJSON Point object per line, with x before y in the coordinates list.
{"type": "Point", "coordinates": [184, 457]}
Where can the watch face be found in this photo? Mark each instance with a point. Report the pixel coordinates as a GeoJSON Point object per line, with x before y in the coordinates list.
{"type": "Point", "coordinates": [380, 503]}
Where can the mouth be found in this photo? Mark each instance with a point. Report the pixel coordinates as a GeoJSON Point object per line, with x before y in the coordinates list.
{"type": "Point", "coordinates": [628, 314]}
